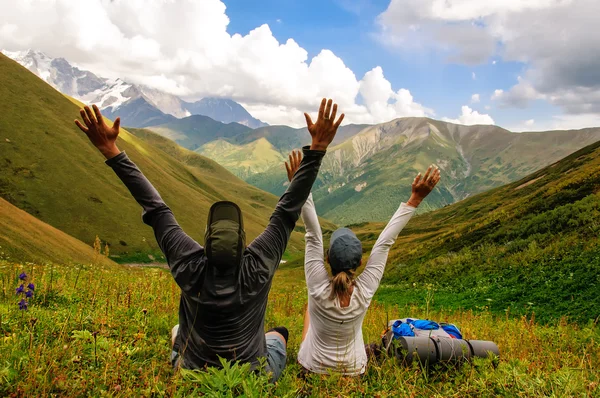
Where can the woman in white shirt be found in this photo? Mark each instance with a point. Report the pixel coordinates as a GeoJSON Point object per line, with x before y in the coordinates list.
{"type": "Point", "coordinates": [332, 338]}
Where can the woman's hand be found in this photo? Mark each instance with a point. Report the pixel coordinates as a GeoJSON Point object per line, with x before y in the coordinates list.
{"type": "Point", "coordinates": [421, 187]}
{"type": "Point", "coordinates": [100, 134]}
{"type": "Point", "coordinates": [295, 160]}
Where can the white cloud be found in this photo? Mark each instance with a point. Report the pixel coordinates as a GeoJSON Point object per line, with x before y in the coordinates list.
{"type": "Point", "coordinates": [525, 125]}
{"type": "Point", "coordinates": [470, 117]}
{"type": "Point", "coordinates": [183, 47]}
{"type": "Point", "coordinates": [518, 96]}
{"type": "Point", "coordinates": [558, 122]}
{"type": "Point", "coordinates": [579, 121]}
{"type": "Point", "coordinates": [385, 104]}
{"type": "Point", "coordinates": [498, 93]}
{"type": "Point", "coordinates": [473, 76]}
{"type": "Point", "coordinates": [475, 98]}
{"type": "Point", "coordinates": [552, 38]}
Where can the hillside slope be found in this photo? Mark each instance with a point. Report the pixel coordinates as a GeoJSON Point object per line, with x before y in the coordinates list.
{"type": "Point", "coordinates": [194, 131]}
{"type": "Point", "coordinates": [50, 169]}
{"type": "Point", "coordinates": [529, 246]}
{"type": "Point", "coordinates": [244, 160]}
{"type": "Point", "coordinates": [25, 238]}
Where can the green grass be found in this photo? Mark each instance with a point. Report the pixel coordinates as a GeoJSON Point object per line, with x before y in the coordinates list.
{"type": "Point", "coordinates": [50, 350]}
{"type": "Point", "coordinates": [51, 170]}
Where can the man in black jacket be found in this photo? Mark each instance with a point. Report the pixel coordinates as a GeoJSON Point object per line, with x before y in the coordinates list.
{"type": "Point", "coordinates": [225, 285]}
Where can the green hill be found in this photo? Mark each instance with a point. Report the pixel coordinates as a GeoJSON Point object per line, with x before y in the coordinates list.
{"type": "Point", "coordinates": [244, 160]}
{"type": "Point", "coordinates": [529, 246]}
{"type": "Point", "coordinates": [25, 238]}
{"type": "Point", "coordinates": [194, 131]}
{"type": "Point", "coordinates": [50, 169]}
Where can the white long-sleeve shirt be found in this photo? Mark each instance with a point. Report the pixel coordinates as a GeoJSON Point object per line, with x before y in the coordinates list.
{"type": "Point", "coordinates": [334, 340]}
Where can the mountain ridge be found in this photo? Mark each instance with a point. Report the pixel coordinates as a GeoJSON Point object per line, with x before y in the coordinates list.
{"type": "Point", "coordinates": [360, 175]}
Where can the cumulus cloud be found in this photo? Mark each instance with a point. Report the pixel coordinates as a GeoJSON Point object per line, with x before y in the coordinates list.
{"type": "Point", "coordinates": [498, 93]}
{"type": "Point", "coordinates": [385, 104]}
{"type": "Point", "coordinates": [475, 98]}
{"type": "Point", "coordinates": [518, 96]}
{"type": "Point", "coordinates": [183, 47]}
{"type": "Point", "coordinates": [470, 117]}
{"type": "Point", "coordinates": [555, 39]}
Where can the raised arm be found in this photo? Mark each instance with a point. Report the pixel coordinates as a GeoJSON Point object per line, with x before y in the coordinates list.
{"type": "Point", "coordinates": [371, 276]}
{"type": "Point", "coordinates": [271, 244]}
{"type": "Point", "coordinates": [314, 261]}
{"type": "Point", "coordinates": [173, 242]}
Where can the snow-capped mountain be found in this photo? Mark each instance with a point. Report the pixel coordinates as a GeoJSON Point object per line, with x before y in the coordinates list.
{"type": "Point", "coordinates": [58, 73]}
{"type": "Point", "coordinates": [137, 105]}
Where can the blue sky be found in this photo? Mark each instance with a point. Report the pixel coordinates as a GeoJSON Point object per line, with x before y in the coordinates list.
{"type": "Point", "coordinates": [349, 29]}
{"type": "Point", "coordinates": [532, 64]}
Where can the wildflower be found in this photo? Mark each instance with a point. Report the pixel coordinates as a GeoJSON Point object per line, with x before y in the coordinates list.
{"type": "Point", "coordinates": [31, 287]}
{"type": "Point", "coordinates": [29, 294]}
{"type": "Point", "coordinates": [22, 304]}
{"type": "Point", "coordinates": [20, 289]}
{"type": "Point", "coordinates": [23, 276]}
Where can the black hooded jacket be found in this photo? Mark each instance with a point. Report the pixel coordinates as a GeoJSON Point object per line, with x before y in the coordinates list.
{"type": "Point", "coordinates": [221, 315]}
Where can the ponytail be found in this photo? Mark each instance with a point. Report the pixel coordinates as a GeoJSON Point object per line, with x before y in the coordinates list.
{"type": "Point", "coordinates": [341, 284]}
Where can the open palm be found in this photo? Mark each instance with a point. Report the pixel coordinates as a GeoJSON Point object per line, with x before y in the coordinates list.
{"type": "Point", "coordinates": [324, 130]}
{"type": "Point", "coordinates": [422, 186]}
{"type": "Point", "coordinates": [100, 134]}
{"type": "Point", "coordinates": [295, 160]}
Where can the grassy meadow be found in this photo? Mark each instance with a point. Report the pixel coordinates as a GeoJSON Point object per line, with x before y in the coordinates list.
{"type": "Point", "coordinates": [104, 330]}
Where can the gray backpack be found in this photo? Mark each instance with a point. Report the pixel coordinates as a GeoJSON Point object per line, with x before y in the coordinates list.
{"type": "Point", "coordinates": [433, 346]}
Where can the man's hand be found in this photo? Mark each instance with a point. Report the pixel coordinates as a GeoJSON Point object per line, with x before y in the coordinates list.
{"type": "Point", "coordinates": [102, 136]}
{"type": "Point", "coordinates": [292, 168]}
{"type": "Point", "coordinates": [421, 187]}
{"type": "Point", "coordinates": [323, 131]}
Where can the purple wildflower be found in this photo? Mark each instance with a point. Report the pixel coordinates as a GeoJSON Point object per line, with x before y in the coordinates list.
{"type": "Point", "coordinates": [20, 289]}
{"type": "Point", "coordinates": [29, 294]}
{"type": "Point", "coordinates": [22, 304]}
{"type": "Point", "coordinates": [23, 276]}
{"type": "Point", "coordinates": [31, 286]}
